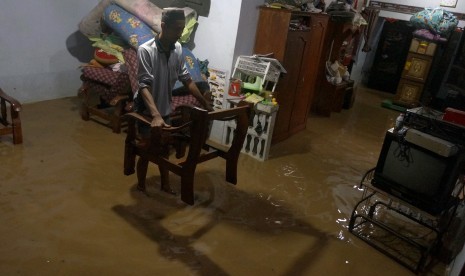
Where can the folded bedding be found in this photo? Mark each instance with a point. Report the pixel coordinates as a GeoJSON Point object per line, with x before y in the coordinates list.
{"type": "Point", "coordinates": [90, 24]}
{"type": "Point", "coordinates": [151, 14]}
{"type": "Point", "coordinates": [143, 10]}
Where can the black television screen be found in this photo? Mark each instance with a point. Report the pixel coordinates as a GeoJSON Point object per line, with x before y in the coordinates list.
{"type": "Point", "coordinates": [416, 175]}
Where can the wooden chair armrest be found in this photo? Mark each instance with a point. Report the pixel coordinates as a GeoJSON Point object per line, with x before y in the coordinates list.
{"type": "Point", "coordinates": [139, 117]}
{"type": "Point", "coordinates": [229, 114]}
{"type": "Point", "coordinates": [117, 99]}
{"type": "Point", "coordinates": [13, 102]}
{"type": "Point", "coordinates": [147, 121]}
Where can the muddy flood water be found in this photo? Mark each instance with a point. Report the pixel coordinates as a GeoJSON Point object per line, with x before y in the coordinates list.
{"type": "Point", "coordinates": [66, 208]}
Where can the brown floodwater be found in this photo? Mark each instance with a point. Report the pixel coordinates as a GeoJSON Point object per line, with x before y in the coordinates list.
{"type": "Point", "coordinates": [67, 209]}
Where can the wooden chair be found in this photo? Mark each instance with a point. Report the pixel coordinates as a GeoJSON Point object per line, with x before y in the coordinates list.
{"type": "Point", "coordinates": [107, 95]}
{"type": "Point", "coordinates": [13, 127]}
{"type": "Point", "coordinates": [113, 111]}
{"type": "Point", "coordinates": [193, 132]}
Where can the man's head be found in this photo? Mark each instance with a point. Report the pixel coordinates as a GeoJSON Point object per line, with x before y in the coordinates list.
{"type": "Point", "coordinates": [172, 25]}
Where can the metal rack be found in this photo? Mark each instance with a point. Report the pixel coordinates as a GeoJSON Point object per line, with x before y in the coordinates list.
{"type": "Point", "coordinates": [408, 235]}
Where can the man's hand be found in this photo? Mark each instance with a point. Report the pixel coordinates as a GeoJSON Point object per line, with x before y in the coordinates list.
{"type": "Point", "coordinates": [194, 90]}
{"type": "Point", "coordinates": [209, 106]}
{"type": "Point", "coordinates": [158, 122]}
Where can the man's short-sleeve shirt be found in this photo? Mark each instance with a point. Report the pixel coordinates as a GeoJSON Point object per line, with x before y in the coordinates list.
{"type": "Point", "coordinates": [159, 71]}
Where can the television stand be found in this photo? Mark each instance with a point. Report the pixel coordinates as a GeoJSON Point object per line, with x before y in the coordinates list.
{"type": "Point", "coordinates": [410, 236]}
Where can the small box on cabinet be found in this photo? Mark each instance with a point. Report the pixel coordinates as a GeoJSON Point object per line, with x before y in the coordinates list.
{"type": "Point", "coordinates": [422, 47]}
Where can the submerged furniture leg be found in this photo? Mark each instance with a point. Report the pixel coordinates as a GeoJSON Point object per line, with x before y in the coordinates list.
{"type": "Point", "coordinates": [231, 169]}
{"type": "Point", "coordinates": [165, 178]}
{"type": "Point", "coordinates": [130, 148]}
{"type": "Point", "coordinates": [142, 166]}
{"type": "Point", "coordinates": [16, 125]}
{"type": "Point", "coordinates": [187, 186]}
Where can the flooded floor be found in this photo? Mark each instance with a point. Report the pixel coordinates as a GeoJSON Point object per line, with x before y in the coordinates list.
{"type": "Point", "coordinates": [67, 209]}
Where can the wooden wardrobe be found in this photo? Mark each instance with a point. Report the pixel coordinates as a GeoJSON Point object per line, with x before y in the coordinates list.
{"type": "Point", "coordinates": [299, 41]}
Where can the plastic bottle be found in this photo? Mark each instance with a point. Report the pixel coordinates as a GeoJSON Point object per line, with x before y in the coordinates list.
{"type": "Point", "coordinates": [399, 121]}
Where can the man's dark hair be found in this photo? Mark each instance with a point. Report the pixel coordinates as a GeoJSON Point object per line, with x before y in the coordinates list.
{"type": "Point", "coordinates": [169, 15]}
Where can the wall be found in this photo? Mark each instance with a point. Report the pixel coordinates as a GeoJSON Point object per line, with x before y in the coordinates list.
{"type": "Point", "coordinates": [247, 28]}
{"type": "Point", "coordinates": [227, 32]}
{"type": "Point", "coordinates": [40, 48]}
{"type": "Point", "coordinates": [216, 34]}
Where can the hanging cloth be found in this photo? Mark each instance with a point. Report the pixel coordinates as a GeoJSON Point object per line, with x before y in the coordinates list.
{"type": "Point", "coordinates": [371, 16]}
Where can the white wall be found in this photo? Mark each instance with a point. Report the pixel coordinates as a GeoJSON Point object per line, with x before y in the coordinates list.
{"type": "Point", "coordinates": [247, 27]}
{"type": "Point", "coordinates": [37, 42]}
{"type": "Point", "coordinates": [216, 34]}
{"type": "Point", "coordinates": [227, 32]}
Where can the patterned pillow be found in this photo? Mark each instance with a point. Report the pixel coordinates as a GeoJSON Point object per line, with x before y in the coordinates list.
{"type": "Point", "coordinates": [126, 25]}
{"type": "Point", "coordinates": [193, 67]}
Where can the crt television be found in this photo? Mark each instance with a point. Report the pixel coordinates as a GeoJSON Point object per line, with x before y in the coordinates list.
{"type": "Point", "coordinates": [417, 175]}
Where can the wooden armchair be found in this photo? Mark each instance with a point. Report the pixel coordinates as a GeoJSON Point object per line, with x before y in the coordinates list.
{"type": "Point", "coordinates": [110, 110]}
{"type": "Point", "coordinates": [107, 94]}
{"type": "Point", "coordinates": [13, 127]}
{"type": "Point", "coordinates": [191, 134]}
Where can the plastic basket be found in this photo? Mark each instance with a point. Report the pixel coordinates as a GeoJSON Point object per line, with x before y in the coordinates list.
{"type": "Point", "coordinates": [258, 67]}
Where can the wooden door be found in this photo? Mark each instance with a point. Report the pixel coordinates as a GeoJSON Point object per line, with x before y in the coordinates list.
{"type": "Point", "coordinates": [272, 29]}
{"type": "Point", "coordinates": [303, 87]}
{"type": "Point", "coordinates": [287, 95]}
{"type": "Point", "coordinates": [313, 44]}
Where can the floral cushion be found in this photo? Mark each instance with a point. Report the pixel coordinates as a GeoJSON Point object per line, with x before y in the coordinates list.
{"type": "Point", "coordinates": [193, 67]}
{"type": "Point", "coordinates": [128, 26]}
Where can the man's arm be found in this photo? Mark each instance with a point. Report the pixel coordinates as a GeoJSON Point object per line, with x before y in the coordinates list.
{"type": "Point", "coordinates": [194, 90]}
{"type": "Point", "coordinates": [145, 79]}
{"type": "Point", "coordinates": [157, 119]}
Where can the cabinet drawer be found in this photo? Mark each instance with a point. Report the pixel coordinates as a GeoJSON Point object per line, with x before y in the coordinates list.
{"type": "Point", "coordinates": [417, 67]}
{"type": "Point", "coordinates": [408, 93]}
